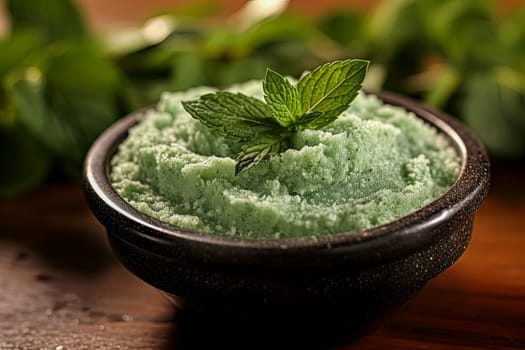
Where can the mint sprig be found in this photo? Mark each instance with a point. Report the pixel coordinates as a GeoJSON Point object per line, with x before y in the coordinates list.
{"type": "Point", "coordinates": [265, 129]}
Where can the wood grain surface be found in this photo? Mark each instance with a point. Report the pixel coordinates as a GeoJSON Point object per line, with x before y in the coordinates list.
{"type": "Point", "coordinates": [61, 288]}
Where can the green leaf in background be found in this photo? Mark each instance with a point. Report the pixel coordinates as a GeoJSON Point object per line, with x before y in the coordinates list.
{"type": "Point", "coordinates": [58, 89]}
{"type": "Point", "coordinates": [66, 123]}
{"type": "Point", "coordinates": [269, 30]}
{"type": "Point", "coordinates": [496, 114]}
{"type": "Point", "coordinates": [236, 71]}
{"type": "Point", "coordinates": [54, 19]}
{"type": "Point", "coordinates": [463, 31]}
{"type": "Point", "coordinates": [67, 103]}
{"type": "Point", "coordinates": [189, 70]}
{"type": "Point", "coordinates": [511, 35]}
{"type": "Point", "coordinates": [25, 163]}
{"type": "Point", "coordinates": [172, 64]}
{"type": "Point", "coordinates": [41, 121]}
{"type": "Point", "coordinates": [17, 48]}
{"type": "Point", "coordinates": [391, 26]}
{"type": "Point", "coordinates": [442, 86]}
{"type": "Point", "coordinates": [81, 69]}
{"type": "Point", "coordinates": [347, 29]}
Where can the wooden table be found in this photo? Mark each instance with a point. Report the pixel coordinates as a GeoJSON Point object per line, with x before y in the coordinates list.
{"type": "Point", "coordinates": [61, 288]}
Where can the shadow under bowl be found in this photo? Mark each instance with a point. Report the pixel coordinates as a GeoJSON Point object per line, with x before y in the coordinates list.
{"type": "Point", "coordinates": [318, 291]}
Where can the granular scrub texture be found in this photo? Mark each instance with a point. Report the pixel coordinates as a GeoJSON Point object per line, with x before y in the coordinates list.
{"type": "Point", "coordinates": [374, 164]}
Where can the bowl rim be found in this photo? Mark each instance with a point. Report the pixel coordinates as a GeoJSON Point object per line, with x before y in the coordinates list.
{"type": "Point", "coordinates": [395, 238]}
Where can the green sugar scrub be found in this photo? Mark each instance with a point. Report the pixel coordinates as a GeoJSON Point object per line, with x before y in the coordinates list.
{"type": "Point", "coordinates": [373, 164]}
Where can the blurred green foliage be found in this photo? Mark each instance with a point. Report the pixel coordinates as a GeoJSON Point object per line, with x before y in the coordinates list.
{"type": "Point", "coordinates": [60, 86]}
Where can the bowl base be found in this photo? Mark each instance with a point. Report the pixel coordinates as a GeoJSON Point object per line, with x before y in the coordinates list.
{"type": "Point", "coordinates": [313, 328]}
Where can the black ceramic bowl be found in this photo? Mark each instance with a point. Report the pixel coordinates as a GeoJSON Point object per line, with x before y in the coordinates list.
{"type": "Point", "coordinates": [313, 290]}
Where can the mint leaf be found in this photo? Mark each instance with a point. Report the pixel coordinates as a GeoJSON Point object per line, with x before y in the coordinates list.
{"type": "Point", "coordinates": [232, 115]}
{"type": "Point", "coordinates": [282, 97]}
{"type": "Point", "coordinates": [261, 148]}
{"type": "Point", "coordinates": [306, 120]}
{"type": "Point", "coordinates": [66, 102]}
{"type": "Point", "coordinates": [46, 112]}
{"type": "Point", "coordinates": [16, 49]}
{"type": "Point", "coordinates": [330, 89]}
{"type": "Point", "coordinates": [53, 19]}
{"type": "Point", "coordinates": [317, 100]}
